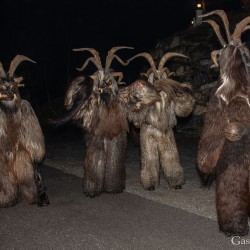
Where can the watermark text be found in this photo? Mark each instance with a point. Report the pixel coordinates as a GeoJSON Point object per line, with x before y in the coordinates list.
{"type": "Point", "coordinates": [237, 240]}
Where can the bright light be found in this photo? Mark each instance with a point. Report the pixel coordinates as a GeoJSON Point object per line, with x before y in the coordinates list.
{"type": "Point", "coordinates": [198, 5]}
{"type": "Point", "coordinates": [192, 22]}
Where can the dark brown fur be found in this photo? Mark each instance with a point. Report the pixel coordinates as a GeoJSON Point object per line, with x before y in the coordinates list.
{"type": "Point", "coordinates": [104, 118]}
{"type": "Point", "coordinates": [209, 149]}
{"type": "Point", "coordinates": [229, 160]}
{"type": "Point", "coordinates": [22, 147]}
{"type": "Point", "coordinates": [110, 120]}
{"type": "Point", "coordinates": [232, 190]}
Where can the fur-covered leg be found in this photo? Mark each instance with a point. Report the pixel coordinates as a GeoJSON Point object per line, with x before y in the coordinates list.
{"type": "Point", "coordinates": [94, 167]}
{"type": "Point", "coordinates": [170, 162]}
{"type": "Point", "coordinates": [115, 174]}
{"type": "Point", "coordinates": [43, 199]}
{"type": "Point", "coordinates": [206, 180]}
{"type": "Point", "coordinates": [232, 190]}
{"type": "Point", "coordinates": [249, 190]}
{"type": "Point", "coordinates": [8, 189]}
{"type": "Point", "coordinates": [232, 197]}
{"type": "Point", "coordinates": [25, 176]}
{"type": "Point", "coordinates": [149, 158]}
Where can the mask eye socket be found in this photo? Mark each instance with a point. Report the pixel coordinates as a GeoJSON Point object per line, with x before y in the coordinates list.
{"type": "Point", "coordinates": [108, 83]}
{"type": "Point", "coordinates": [4, 87]}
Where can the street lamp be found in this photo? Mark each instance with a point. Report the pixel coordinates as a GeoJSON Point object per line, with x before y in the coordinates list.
{"type": "Point", "coordinates": [199, 7]}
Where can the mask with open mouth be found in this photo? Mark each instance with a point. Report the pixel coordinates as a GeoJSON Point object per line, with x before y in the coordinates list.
{"type": "Point", "coordinates": [9, 84]}
{"type": "Point", "coordinates": [8, 90]}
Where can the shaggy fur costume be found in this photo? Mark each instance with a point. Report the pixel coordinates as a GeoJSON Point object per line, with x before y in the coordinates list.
{"type": "Point", "coordinates": [102, 109]}
{"type": "Point", "coordinates": [225, 139]}
{"type": "Point", "coordinates": [157, 142]}
{"type": "Point", "coordinates": [103, 116]}
{"type": "Point", "coordinates": [22, 146]}
{"type": "Point", "coordinates": [229, 160]}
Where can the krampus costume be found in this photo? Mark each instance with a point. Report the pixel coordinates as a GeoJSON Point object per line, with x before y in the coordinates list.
{"type": "Point", "coordinates": [102, 110]}
{"type": "Point", "coordinates": [22, 146]}
{"type": "Point", "coordinates": [156, 122]}
{"type": "Point", "coordinates": [225, 139]}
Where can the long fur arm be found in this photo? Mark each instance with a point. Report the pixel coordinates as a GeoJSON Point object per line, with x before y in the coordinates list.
{"type": "Point", "coordinates": [137, 98]}
{"type": "Point", "coordinates": [75, 91]}
{"type": "Point", "coordinates": [31, 135]}
{"type": "Point", "coordinates": [180, 94]}
{"type": "Point", "coordinates": [138, 118]}
{"type": "Point", "coordinates": [184, 101]}
{"type": "Point", "coordinates": [212, 137]}
{"type": "Point", "coordinates": [77, 94]}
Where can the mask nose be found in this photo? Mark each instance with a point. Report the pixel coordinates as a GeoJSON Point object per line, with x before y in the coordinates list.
{"type": "Point", "coordinates": [8, 90]}
{"type": "Point", "coordinates": [103, 85]}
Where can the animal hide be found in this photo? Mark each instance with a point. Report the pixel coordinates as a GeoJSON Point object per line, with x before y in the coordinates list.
{"type": "Point", "coordinates": [229, 161]}
{"type": "Point", "coordinates": [157, 142]}
{"type": "Point", "coordinates": [22, 147]}
{"type": "Point", "coordinates": [224, 144]}
{"type": "Point", "coordinates": [103, 116]}
{"type": "Point", "coordinates": [209, 149]}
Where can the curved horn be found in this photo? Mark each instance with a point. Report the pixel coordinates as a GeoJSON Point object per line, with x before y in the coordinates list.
{"type": "Point", "coordinates": [246, 28]}
{"type": "Point", "coordinates": [223, 16]}
{"type": "Point", "coordinates": [2, 72]}
{"type": "Point", "coordinates": [149, 58]}
{"type": "Point", "coordinates": [111, 56]}
{"type": "Point", "coordinates": [240, 27]}
{"type": "Point", "coordinates": [214, 58]}
{"type": "Point", "coordinates": [166, 57]}
{"type": "Point", "coordinates": [15, 62]}
{"type": "Point", "coordinates": [216, 30]}
{"type": "Point", "coordinates": [150, 70]}
{"type": "Point", "coordinates": [166, 69]}
{"type": "Point", "coordinates": [119, 75]}
{"type": "Point", "coordinates": [91, 59]}
{"type": "Point", "coordinates": [95, 59]}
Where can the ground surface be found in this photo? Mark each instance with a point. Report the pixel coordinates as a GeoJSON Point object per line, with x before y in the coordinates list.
{"type": "Point", "coordinates": [136, 219]}
{"type": "Point", "coordinates": [65, 151]}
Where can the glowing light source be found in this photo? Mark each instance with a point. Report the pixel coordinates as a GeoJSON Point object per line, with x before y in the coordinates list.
{"type": "Point", "coordinates": [199, 5]}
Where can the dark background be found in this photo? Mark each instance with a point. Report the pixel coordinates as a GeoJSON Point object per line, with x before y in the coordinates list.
{"type": "Point", "coordinates": [46, 31]}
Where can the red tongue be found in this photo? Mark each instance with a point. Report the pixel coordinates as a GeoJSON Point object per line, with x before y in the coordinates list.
{"type": "Point", "coordinates": [139, 85]}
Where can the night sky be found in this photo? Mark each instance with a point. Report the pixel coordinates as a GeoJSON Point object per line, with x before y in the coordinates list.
{"type": "Point", "coordinates": [46, 31]}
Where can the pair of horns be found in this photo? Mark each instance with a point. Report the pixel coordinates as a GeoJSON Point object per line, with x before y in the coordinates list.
{"type": "Point", "coordinates": [97, 60]}
{"type": "Point", "coordinates": [162, 62]}
{"type": "Point", "coordinates": [13, 65]}
{"type": "Point", "coordinates": [235, 38]}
